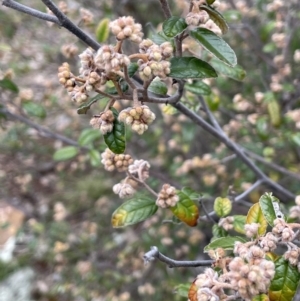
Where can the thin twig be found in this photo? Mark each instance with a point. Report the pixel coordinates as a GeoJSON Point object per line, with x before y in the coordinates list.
{"type": "Point", "coordinates": [30, 11]}
{"type": "Point", "coordinates": [41, 129]}
{"type": "Point", "coordinates": [69, 25]}
{"type": "Point", "coordinates": [143, 183]}
{"type": "Point", "coordinates": [154, 253]}
{"type": "Point", "coordinates": [166, 8]}
{"type": "Point", "coordinates": [221, 136]}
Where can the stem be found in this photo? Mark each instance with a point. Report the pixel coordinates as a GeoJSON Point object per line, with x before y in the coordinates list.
{"type": "Point", "coordinates": [65, 22]}
{"type": "Point", "coordinates": [166, 8]}
{"type": "Point", "coordinates": [154, 253]}
{"type": "Point", "coordinates": [221, 136]}
{"type": "Point", "coordinates": [30, 11]}
{"type": "Point", "coordinates": [144, 184]}
{"type": "Point", "coordinates": [128, 80]}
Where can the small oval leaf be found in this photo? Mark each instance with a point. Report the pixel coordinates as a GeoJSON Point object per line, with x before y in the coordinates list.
{"type": "Point", "coordinates": [185, 209]}
{"type": "Point", "coordinates": [255, 215]}
{"type": "Point", "coordinates": [261, 297]}
{"type": "Point", "coordinates": [87, 105]}
{"type": "Point", "coordinates": [102, 30]}
{"type": "Point", "coordinates": [7, 84]}
{"type": "Point", "coordinates": [222, 206]}
{"type": "Point", "coordinates": [65, 153]}
{"type": "Point", "coordinates": [132, 68]}
{"type": "Point", "coordinates": [87, 136]}
{"type": "Point", "coordinates": [227, 243]}
{"type": "Point", "coordinates": [133, 211]}
{"type": "Point", "coordinates": [34, 109]}
{"type": "Point", "coordinates": [95, 157]}
{"type": "Point", "coordinates": [191, 67]}
{"type": "Point", "coordinates": [215, 45]}
{"type": "Point", "coordinates": [239, 223]}
{"type": "Point", "coordinates": [174, 26]}
{"type": "Point", "coordinates": [158, 87]}
{"type": "Point", "coordinates": [270, 208]}
{"type": "Point", "coordinates": [236, 72]}
{"type": "Point", "coordinates": [284, 284]}
{"type": "Point", "coordinates": [198, 88]}
{"type": "Point", "coordinates": [116, 140]}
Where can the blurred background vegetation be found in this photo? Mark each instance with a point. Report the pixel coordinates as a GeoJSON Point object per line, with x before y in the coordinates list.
{"type": "Point", "coordinates": [55, 215]}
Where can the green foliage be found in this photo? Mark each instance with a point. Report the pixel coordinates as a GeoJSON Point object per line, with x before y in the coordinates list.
{"type": "Point", "coordinates": [8, 84]}
{"type": "Point", "coordinates": [191, 67]}
{"type": "Point", "coordinates": [102, 30]}
{"type": "Point", "coordinates": [227, 243]}
{"type": "Point", "coordinates": [255, 215]}
{"type": "Point", "coordinates": [116, 139]}
{"type": "Point", "coordinates": [133, 211]}
{"type": "Point", "coordinates": [34, 109]}
{"type": "Point", "coordinates": [158, 87]}
{"type": "Point", "coordinates": [215, 45]}
{"type": "Point", "coordinates": [198, 88]}
{"type": "Point", "coordinates": [65, 153]}
{"type": "Point", "coordinates": [285, 282]}
{"type": "Point", "coordinates": [174, 26]}
{"type": "Point", "coordinates": [87, 105]}
{"type": "Point", "coordinates": [222, 206]}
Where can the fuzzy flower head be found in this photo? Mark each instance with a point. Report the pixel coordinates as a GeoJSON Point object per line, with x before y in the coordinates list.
{"type": "Point", "coordinates": [125, 28]}
{"type": "Point", "coordinates": [138, 117]}
{"type": "Point", "coordinates": [251, 229]}
{"type": "Point", "coordinates": [124, 190]}
{"type": "Point", "coordinates": [139, 169]}
{"type": "Point", "coordinates": [104, 122]}
{"type": "Point", "coordinates": [112, 161]}
{"type": "Point", "coordinates": [167, 197]}
{"type": "Point", "coordinates": [110, 61]}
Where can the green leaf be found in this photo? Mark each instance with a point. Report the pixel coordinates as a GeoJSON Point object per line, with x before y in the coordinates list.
{"type": "Point", "coordinates": [215, 45]}
{"type": "Point", "coordinates": [133, 211]}
{"type": "Point", "coordinates": [284, 284]}
{"type": "Point", "coordinates": [102, 30]}
{"type": "Point", "coordinates": [116, 140]}
{"type": "Point", "coordinates": [34, 109]}
{"type": "Point", "coordinates": [7, 84]}
{"type": "Point", "coordinates": [95, 157]}
{"type": "Point", "coordinates": [227, 243]}
{"type": "Point", "coordinates": [87, 136]}
{"type": "Point", "coordinates": [236, 72]}
{"type": "Point", "coordinates": [262, 128]}
{"type": "Point", "coordinates": [185, 209]}
{"type": "Point", "coordinates": [232, 15]}
{"type": "Point", "coordinates": [255, 215]}
{"type": "Point", "coordinates": [261, 297]}
{"type": "Point", "coordinates": [216, 17]}
{"type": "Point", "coordinates": [159, 38]}
{"type": "Point", "coordinates": [158, 87]}
{"type": "Point", "coordinates": [213, 101]}
{"type": "Point", "coordinates": [198, 88]}
{"type": "Point", "coordinates": [182, 289]}
{"type": "Point", "coordinates": [219, 232]}
{"type": "Point", "coordinates": [239, 223]}
{"type": "Point", "coordinates": [296, 139]}
{"type": "Point", "coordinates": [270, 208]}
{"type": "Point", "coordinates": [191, 67]}
{"type": "Point", "coordinates": [174, 26]}
{"type": "Point", "coordinates": [86, 106]}
{"type": "Point", "coordinates": [65, 153]}
{"type": "Point", "coordinates": [132, 68]}
{"type": "Point", "coordinates": [222, 206]}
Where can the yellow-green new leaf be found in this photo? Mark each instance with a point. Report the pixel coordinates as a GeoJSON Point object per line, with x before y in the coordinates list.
{"type": "Point", "coordinates": [284, 284]}
{"type": "Point", "coordinates": [261, 297]}
{"type": "Point", "coordinates": [133, 211]}
{"type": "Point", "coordinates": [222, 206]}
{"type": "Point", "coordinates": [102, 30]}
{"type": "Point", "coordinates": [239, 223]}
{"type": "Point", "coordinates": [255, 215]}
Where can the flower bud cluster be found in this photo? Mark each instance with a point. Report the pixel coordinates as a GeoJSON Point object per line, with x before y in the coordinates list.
{"type": "Point", "coordinates": [124, 190]}
{"type": "Point", "coordinates": [112, 161]}
{"type": "Point", "coordinates": [110, 61]}
{"type": "Point", "coordinates": [104, 122]}
{"type": "Point", "coordinates": [226, 223]}
{"type": "Point", "coordinates": [295, 210]}
{"type": "Point", "coordinates": [139, 169]}
{"type": "Point", "coordinates": [250, 278]}
{"type": "Point", "coordinates": [282, 230]}
{"type": "Point", "coordinates": [156, 63]}
{"type": "Point", "coordinates": [268, 242]}
{"type": "Point", "coordinates": [292, 255]}
{"type": "Point", "coordinates": [167, 197]}
{"type": "Point", "coordinates": [87, 61]}
{"type": "Point", "coordinates": [138, 118]}
{"type": "Point", "coordinates": [251, 229]}
{"type": "Point", "coordinates": [125, 28]}
{"type": "Point", "coordinates": [78, 93]}
{"type": "Point", "coordinates": [197, 18]}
